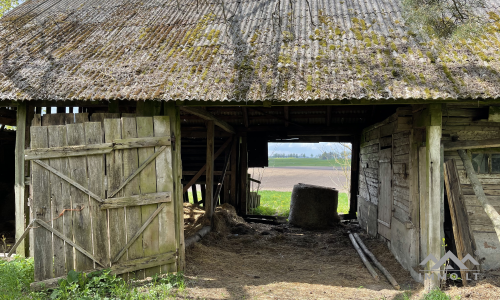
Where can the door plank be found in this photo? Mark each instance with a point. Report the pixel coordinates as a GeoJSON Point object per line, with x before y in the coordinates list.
{"type": "Point", "coordinates": [147, 182]}
{"type": "Point", "coordinates": [94, 135]}
{"type": "Point", "coordinates": [82, 229]}
{"type": "Point", "coordinates": [60, 197]}
{"type": "Point", "coordinates": [385, 194]}
{"type": "Point", "coordinates": [41, 209]}
{"type": "Point", "coordinates": [164, 183]}
{"type": "Point", "coordinates": [133, 213]}
{"type": "Point", "coordinates": [114, 171]}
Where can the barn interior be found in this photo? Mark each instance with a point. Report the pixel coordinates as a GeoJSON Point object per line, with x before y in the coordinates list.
{"type": "Point", "coordinates": [7, 146]}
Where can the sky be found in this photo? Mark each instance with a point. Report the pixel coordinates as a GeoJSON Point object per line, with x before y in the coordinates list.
{"type": "Point", "coordinates": [299, 148]}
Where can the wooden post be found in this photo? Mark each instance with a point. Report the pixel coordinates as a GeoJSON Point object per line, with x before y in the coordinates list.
{"type": "Point", "coordinates": [243, 175]}
{"type": "Point", "coordinates": [353, 201]}
{"type": "Point", "coordinates": [175, 129]}
{"type": "Point", "coordinates": [433, 146]}
{"type": "Point", "coordinates": [210, 170]}
{"type": "Point", "coordinates": [19, 188]}
{"type": "Point", "coordinates": [234, 169]}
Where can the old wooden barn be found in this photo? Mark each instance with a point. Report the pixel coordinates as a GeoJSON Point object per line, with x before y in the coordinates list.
{"type": "Point", "coordinates": [142, 100]}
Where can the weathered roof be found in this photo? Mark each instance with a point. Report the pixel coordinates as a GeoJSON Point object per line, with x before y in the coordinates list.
{"type": "Point", "coordinates": [119, 49]}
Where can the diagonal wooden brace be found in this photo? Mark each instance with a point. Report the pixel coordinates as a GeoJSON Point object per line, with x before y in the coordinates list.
{"type": "Point", "coordinates": [139, 232]}
{"type": "Point", "coordinates": [136, 172]}
{"type": "Point", "coordinates": [69, 180]}
{"type": "Point", "coordinates": [67, 240]}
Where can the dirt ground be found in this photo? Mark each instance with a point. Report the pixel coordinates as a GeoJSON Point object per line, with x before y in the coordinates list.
{"type": "Point", "coordinates": [284, 178]}
{"type": "Point", "coordinates": [241, 260]}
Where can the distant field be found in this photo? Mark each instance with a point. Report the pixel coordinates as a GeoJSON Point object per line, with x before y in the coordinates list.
{"type": "Point", "coordinates": [301, 162]}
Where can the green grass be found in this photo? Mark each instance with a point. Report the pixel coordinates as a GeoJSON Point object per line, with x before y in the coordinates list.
{"type": "Point", "coordinates": [273, 203]}
{"type": "Point", "coordinates": [16, 276]}
{"type": "Point", "coordinates": [301, 162]}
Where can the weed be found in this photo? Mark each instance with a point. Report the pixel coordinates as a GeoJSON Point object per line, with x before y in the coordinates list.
{"type": "Point", "coordinates": [436, 295]}
{"type": "Point", "coordinates": [15, 278]}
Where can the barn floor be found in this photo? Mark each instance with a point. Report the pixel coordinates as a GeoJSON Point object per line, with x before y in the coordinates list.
{"type": "Point", "coordinates": [242, 260]}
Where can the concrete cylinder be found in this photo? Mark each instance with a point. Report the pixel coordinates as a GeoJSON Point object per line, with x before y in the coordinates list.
{"type": "Point", "coordinates": [313, 207]}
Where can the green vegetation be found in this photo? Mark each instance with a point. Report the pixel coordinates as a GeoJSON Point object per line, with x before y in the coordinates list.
{"type": "Point", "coordinates": [16, 276]}
{"type": "Point", "coordinates": [273, 203]}
{"type": "Point", "coordinates": [436, 295]}
{"type": "Point", "coordinates": [302, 162]}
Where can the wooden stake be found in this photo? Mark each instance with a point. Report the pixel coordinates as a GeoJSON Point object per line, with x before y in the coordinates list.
{"type": "Point", "coordinates": [478, 190]}
{"type": "Point", "coordinates": [363, 258]}
{"type": "Point", "coordinates": [377, 263]}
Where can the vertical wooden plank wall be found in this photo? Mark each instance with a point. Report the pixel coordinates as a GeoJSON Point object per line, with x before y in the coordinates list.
{"type": "Point", "coordinates": [400, 176]}
{"type": "Point", "coordinates": [133, 213]}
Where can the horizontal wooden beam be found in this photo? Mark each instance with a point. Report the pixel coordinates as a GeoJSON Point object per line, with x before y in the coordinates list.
{"type": "Point", "coordinates": [93, 149]}
{"type": "Point", "coordinates": [209, 117]}
{"type": "Point", "coordinates": [116, 269]}
{"type": "Point", "coordinates": [136, 200]}
{"type": "Point", "coordinates": [458, 145]}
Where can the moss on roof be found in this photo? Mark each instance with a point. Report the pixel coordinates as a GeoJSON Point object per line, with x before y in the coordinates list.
{"type": "Point", "coordinates": [138, 50]}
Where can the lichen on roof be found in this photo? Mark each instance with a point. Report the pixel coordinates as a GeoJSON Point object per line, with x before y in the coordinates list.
{"type": "Point", "coordinates": [138, 50]}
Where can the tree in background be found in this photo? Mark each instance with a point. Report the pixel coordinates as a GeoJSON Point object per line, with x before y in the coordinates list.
{"type": "Point", "coordinates": [6, 5]}
{"type": "Point", "coordinates": [444, 18]}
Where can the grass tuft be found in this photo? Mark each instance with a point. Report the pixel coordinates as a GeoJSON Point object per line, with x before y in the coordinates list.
{"type": "Point", "coordinates": [15, 278]}
{"type": "Point", "coordinates": [436, 295]}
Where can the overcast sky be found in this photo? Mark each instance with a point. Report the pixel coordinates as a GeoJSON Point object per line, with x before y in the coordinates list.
{"type": "Point", "coordinates": [299, 148]}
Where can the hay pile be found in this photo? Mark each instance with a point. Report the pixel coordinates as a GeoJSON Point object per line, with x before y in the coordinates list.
{"type": "Point", "coordinates": [225, 221]}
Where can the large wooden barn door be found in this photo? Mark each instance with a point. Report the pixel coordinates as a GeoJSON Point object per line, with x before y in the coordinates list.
{"type": "Point", "coordinates": [102, 197]}
{"type": "Point", "coordinates": [385, 193]}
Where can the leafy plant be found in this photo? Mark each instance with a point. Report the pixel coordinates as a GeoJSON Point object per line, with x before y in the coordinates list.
{"type": "Point", "coordinates": [15, 277]}
{"type": "Point", "coordinates": [436, 294]}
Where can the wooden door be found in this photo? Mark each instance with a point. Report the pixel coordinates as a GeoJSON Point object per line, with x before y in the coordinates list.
{"type": "Point", "coordinates": [103, 197]}
{"type": "Point", "coordinates": [385, 193]}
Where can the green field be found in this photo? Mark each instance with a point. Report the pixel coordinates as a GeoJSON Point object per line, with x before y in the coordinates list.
{"type": "Point", "coordinates": [274, 203]}
{"type": "Point", "coordinates": [301, 162]}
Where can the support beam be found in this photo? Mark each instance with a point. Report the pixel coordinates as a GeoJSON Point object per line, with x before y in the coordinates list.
{"type": "Point", "coordinates": [243, 175]}
{"type": "Point", "coordinates": [244, 111]}
{"type": "Point", "coordinates": [205, 115]}
{"type": "Point", "coordinates": [234, 174]}
{"type": "Point", "coordinates": [433, 168]}
{"type": "Point", "coordinates": [209, 210]}
{"type": "Point", "coordinates": [19, 188]}
{"type": "Point", "coordinates": [353, 199]}
{"type": "Point", "coordinates": [452, 146]}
